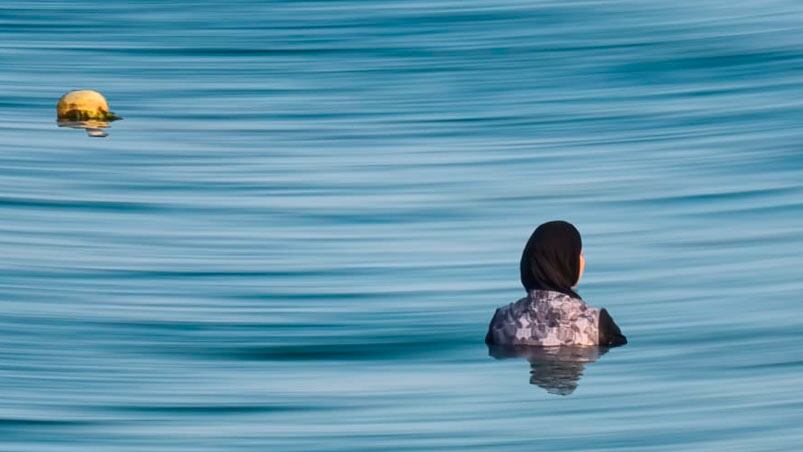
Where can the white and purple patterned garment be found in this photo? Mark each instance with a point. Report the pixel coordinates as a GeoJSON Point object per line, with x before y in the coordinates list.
{"type": "Point", "coordinates": [545, 318]}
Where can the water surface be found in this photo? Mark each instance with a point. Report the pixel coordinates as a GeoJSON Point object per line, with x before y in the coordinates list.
{"type": "Point", "coordinates": [297, 236]}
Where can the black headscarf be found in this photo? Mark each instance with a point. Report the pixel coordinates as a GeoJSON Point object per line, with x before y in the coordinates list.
{"type": "Point", "coordinates": [551, 259]}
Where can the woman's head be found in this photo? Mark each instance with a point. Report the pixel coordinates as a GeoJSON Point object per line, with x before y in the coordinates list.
{"type": "Point", "coordinates": [552, 259]}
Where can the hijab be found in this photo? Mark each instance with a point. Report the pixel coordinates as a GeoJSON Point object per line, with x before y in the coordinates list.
{"type": "Point", "coordinates": [551, 259]}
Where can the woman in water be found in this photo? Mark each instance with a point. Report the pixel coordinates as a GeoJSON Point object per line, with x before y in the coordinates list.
{"type": "Point", "coordinates": [553, 314]}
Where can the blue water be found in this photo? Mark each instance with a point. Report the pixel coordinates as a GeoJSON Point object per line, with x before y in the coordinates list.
{"type": "Point", "coordinates": [297, 235]}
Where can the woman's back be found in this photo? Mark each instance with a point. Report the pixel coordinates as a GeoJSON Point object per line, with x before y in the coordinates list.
{"type": "Point", "coordinates": [549, 318]}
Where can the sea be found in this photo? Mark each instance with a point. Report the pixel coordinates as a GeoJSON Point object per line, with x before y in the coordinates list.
{"type": "Point", "coordinates": [297, 235]}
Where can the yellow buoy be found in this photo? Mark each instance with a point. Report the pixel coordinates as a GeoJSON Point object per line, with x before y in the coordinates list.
{"type": "Point", "coordinates": [84, 105]}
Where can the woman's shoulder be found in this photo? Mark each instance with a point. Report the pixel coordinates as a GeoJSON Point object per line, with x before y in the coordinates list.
{"type": "Point", "coordinates": [503, 322]}
{"type": "Point", "coordinates": [513, 309]}
{"type": "Point", "coordinates": [609, 332]}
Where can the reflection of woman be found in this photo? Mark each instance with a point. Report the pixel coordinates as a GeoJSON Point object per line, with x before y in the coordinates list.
{"type": "Point", "coordinates": [553, 313]}
{"type": "Point", "coordinates": [556, 369]}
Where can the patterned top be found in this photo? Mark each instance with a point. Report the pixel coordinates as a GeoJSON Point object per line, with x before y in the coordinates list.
{"type": "Point", "coordinates": [546, 318]}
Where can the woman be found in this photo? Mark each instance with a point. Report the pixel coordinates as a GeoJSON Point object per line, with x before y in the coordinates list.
{"type": "Point", "coordinates": [553, 313]}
